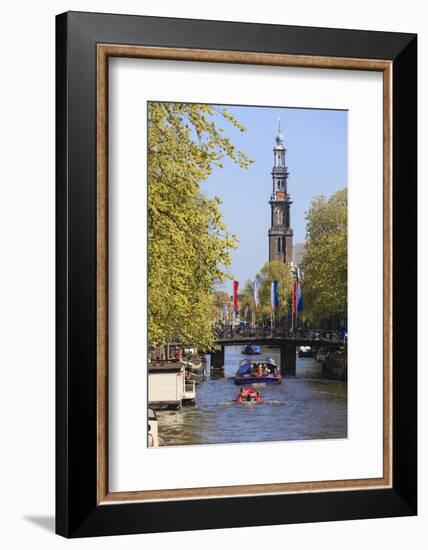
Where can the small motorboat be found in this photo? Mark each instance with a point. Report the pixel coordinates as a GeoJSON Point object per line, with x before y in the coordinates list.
{"type": "Point", "coordinates": [251, 349]}
{"type": "Point", "coordinates": [248, 395]}
{"type": "Point", "coordinates": [306, 351]}
{"type": "Point", "coordinates": [260, 371]}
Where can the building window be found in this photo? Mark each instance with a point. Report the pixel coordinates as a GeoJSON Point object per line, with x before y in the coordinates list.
{"type": "Point", "coordinates": [279, 245]}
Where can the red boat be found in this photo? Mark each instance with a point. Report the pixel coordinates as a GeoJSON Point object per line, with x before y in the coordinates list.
{"type": "Point", "coordinates": [248, 395]}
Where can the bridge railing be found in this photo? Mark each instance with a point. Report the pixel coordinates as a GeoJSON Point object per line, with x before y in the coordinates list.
{"type": "Point", "coordinates": [266, 332]}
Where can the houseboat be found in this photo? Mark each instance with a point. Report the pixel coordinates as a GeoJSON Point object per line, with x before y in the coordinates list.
{"type": "Point", "coordinates": [260, 371]}
{"type": "Point", "coordinates": [168, 387]}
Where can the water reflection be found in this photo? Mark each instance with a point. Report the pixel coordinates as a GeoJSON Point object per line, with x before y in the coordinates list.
{"type": "Point", "coordinates": [304, 407]}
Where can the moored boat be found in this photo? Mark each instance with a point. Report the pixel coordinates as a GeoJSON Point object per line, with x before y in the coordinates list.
{"type": "Point", "coordinates": [306, 351]}
{"type": "Point", "coordinates": [195, 369]}
{"type": "Point", "coordinates": [260, 371]}
{"type": "Point", "coordinates": [251, 349]}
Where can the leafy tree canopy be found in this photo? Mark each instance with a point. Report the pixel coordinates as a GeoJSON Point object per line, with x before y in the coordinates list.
{"type": "Point", "coordinates": [275, 271]}
{"type": "Point", "coordinates": [270, 271]}
{"type": "Point", "coordinates": [325, 261]}
{"type": "Point", "coordinates": [188, 243]}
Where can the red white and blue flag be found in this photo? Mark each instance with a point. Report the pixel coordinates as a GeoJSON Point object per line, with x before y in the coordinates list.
{"type": "Point", "coordinates": [274, 295]}
{"type": "Point", "coordinates": [297, 297]}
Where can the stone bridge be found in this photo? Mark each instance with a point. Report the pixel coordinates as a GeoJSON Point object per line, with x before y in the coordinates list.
{"type": "Point", "coordinates": [286, 345]}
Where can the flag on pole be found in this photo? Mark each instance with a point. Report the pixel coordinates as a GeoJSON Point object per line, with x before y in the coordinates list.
{"type": "Point", "coordinates": [256, 285]}
{"type": "Point", "coordinates": [274, 295]}
{"type": "Point", "coordinates": [293, 302]}
{"type": "Point", "coordinates": [225, 312]}
{"type": "Point", "coordinates": [299, 297]}
{"type": "Point", "coordinates": [235, 296]}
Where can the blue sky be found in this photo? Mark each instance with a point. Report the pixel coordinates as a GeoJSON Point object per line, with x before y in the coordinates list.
{"type": "Point", "coordinates": [316, 142]}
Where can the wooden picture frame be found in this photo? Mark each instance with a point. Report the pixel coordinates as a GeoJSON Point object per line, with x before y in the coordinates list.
{"type": "Point", "coordinates": [84, 505]}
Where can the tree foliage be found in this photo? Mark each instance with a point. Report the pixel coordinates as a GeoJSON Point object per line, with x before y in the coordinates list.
{"type": "Point", "coordinates": [270, 271]}
{"type": "Point", "coordinates": [325, 261]}
{"type": "Point", "coordinates": [188, 244]}
{"type": "Point", "coordinates": [275, 271]}
{"type": "Point", "coordinates": [246, 295]}
{"type": "Point", "coordinates": [221, 298]}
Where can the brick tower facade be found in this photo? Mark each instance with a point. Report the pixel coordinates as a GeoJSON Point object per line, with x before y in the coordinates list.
{"type": "Point", "coordinates": [280, 233]}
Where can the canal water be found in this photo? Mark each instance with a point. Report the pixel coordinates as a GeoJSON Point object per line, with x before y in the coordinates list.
{"type": "Point", "coordinates": [302, 407]}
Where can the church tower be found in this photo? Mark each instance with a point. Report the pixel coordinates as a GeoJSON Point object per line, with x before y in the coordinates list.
{"type": "Point", "coordinates": [280, 232]}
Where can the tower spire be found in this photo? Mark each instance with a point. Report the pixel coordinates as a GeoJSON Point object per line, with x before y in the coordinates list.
{"type": "Point", "coordinates": [279, 136]}
{"type": "Point", "coordinates": [280, 233]}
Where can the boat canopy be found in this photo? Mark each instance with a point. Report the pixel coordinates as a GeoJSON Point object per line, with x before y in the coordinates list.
{"type": "Point", "coordinates": [247, 362]}
{"type": "Point", "coordinates": [244, 368]}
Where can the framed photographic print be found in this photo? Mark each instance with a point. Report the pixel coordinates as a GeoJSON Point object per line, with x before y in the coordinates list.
{"type": "Point", "coordinates": [236, 274]}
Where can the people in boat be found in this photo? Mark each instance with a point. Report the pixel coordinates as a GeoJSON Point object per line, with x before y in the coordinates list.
{"type": "Point", "coordinates": [248, 395]}
{"type": "Point", "coordinates": [244, 395]}
{"type": "Point", "coordinates": [261, 369]}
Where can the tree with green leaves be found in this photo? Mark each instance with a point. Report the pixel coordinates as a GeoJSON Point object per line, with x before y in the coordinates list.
{"type": "Point", "coordinates": [188, 243]}
{"type": "Point", "coordinates": [246, 296]}
{"type": "Point", "coordinates": [325, 260]}
{"type": "Point", "coordinates": [221, 298]}
{"type": "Point", "coordinates": [270, 271]}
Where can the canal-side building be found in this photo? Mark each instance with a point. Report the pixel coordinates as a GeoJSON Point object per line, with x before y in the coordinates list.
{"type": "Point", "coordinates": [280, 233]}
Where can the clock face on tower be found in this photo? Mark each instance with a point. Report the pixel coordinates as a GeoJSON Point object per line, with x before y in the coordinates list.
{"type": "Point", "coordinates": [280, 196]}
